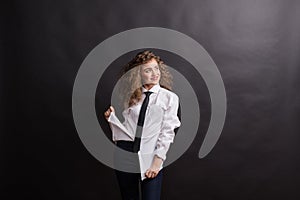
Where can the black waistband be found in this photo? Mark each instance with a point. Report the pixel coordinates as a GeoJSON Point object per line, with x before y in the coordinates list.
{"type": "Point", "coordinates": [125, 145]}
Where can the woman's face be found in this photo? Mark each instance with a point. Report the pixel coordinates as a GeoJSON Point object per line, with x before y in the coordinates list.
{"type": "Point", "coordinates": [150, 73]}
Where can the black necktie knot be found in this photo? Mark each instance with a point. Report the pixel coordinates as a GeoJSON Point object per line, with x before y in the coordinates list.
{"type": "Point", "coordinates": [148, 93]}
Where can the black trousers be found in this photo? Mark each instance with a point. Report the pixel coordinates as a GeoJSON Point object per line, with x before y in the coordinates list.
{"type": "Point", "coordinates": [131, 186]}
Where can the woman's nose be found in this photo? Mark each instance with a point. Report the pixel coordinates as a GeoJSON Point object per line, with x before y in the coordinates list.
{"type": "Point", "coordinates": [154, 72]}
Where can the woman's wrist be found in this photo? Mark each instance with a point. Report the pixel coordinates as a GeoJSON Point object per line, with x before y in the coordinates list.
{"type": "Point", "coordinates": [157, 161]}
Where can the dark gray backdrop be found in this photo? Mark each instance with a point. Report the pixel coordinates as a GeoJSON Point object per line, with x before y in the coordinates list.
{"type": "Point", "coordinates": [255, 44]}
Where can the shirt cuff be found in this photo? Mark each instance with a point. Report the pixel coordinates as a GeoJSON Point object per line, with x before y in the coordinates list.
{"type": "Point", "coordinates": [161, 153]}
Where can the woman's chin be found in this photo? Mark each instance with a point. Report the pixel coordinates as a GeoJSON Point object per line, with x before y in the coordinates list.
{"type": "Point", "coordinates": [151, 83]}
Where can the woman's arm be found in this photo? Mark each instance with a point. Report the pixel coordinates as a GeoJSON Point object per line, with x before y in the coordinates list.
{"type": "Point", "coordinates": [169, 123]}
{"type": "Point", "coordinates": [166, 136]}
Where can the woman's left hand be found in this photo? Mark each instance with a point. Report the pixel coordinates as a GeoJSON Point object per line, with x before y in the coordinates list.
{"type": "Point", "coordinates": [151, 173]}
{"type": "Point", "coordinates": [154, 169]}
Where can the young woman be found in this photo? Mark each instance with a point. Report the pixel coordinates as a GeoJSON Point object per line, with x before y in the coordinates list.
{"type": "Point", "coordinates": [146, 86]}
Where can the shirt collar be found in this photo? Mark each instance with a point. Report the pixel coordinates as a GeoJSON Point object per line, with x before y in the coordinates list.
{"type": "Point", "coordinates": [154, 89]}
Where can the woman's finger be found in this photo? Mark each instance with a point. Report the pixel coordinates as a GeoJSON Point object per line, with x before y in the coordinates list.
{"type": "Point", "coordinates": [153, 174]}
{"type": "Point", "coordinates": [150, 174]}
{"type": "Point", "coordinates": [111, 109]}
{"type": "Point", "coordinates": [107, 113]}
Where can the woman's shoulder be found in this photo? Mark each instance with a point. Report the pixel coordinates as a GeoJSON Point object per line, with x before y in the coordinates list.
{"type": "Point", "coordinates": [168, 93]}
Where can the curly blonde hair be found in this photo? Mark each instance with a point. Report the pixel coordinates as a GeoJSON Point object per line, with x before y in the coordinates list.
{"type": "Point", "coordinates": [131, 82]}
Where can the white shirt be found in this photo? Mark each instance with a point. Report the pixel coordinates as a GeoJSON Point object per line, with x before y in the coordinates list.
{"type": "Point", "coordinates": [158, 130]}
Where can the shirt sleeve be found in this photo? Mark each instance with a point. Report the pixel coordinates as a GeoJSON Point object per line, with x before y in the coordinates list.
{"type": "Point", "coordinates": [119, 131]}
{"type": "Point", "coordinates": [169, 123]}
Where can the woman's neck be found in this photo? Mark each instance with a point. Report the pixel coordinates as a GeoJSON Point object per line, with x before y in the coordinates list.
{"type": "Point", "coordinates": [148, 86]}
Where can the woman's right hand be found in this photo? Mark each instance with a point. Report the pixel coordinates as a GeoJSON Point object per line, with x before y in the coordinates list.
{"type": "Point", "coordinates": [108, 112]}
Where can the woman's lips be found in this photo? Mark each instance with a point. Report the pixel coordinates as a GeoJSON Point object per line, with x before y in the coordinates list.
{"type": "Point", "coordinates": [154, 78]}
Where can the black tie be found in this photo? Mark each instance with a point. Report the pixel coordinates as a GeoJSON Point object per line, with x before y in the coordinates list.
{"type": "Point", "coordinates": [139, 128]}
